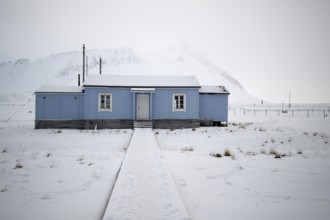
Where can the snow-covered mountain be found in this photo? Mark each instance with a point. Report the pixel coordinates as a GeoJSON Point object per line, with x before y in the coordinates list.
{"type": "Point", "coordinates": [20, 78]}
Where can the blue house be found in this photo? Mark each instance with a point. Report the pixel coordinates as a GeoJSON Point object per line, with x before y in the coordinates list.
{"type": "Point", "coordinates": [117, 101]}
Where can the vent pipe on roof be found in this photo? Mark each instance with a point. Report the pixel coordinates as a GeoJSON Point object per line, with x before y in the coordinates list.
{"type": "Point", "coordinates": [100, 65]}
{"type": "Point", "coordinates": [78, 79]}
{"type": "Point", "coordinates": [83, 72]}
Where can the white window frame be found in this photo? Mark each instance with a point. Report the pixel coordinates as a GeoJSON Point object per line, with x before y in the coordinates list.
{"type": "Point", "coordinates": [99, 103]}
{"type": "Point", "coordinates": [175, 109]}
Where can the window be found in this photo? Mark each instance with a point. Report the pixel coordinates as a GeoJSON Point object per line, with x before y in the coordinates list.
{"type": "Point", "coordinates": [179, 102]}
{"type": "Point", "coordinates": [105, 102]}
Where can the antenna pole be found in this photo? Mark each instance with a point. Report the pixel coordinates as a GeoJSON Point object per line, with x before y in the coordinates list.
{"type": "Point", "coordinates": [83, 73]}
{"type": "Point", "coordinates": [86, 66]}
{"type": "Point", "coordinates": [100, 65]}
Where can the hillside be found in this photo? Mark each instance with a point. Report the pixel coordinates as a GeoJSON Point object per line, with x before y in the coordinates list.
{"type": "Point", "coordinates": [20, 78]}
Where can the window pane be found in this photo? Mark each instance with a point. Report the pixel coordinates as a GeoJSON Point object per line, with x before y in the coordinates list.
{"type": "Point", "coordinates": [176, 102]}
{"type": "Point", "coordinates": [102, 104]}
{"type": "Point", "coordinates": [105, 101]}
{"type": "Point", "coordinates": [181, 102]}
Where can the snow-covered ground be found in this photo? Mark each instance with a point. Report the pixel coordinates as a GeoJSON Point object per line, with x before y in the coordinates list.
{"type": "Point", "coordinates": [69, 174]}
{"type": "Point", "coordinates": [252, 184]}
{"type": "Point", "coordinates": [65, 174]}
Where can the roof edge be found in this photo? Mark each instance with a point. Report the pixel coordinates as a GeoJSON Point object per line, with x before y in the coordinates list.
{"type": "Point", "coordinates": [93, 86]}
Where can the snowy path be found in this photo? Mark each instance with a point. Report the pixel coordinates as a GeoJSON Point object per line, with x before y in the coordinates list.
{"type": "Point", "coordinates": [145, 188]}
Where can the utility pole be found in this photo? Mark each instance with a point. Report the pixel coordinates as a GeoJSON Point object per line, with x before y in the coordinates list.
{"type": "Point", "coordinates": [83, 73]}
{"type": "Point", "coordinates": [289, 98]}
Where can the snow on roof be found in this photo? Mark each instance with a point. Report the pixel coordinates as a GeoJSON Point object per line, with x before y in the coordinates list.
{"type": "Point", "coordinates": [213, 89]}
{"type": "Point", "coordinates": [59, 89]}
{"type": "Point", "coordinates": [141, 81]}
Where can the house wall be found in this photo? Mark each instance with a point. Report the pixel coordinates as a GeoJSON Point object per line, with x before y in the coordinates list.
{"type": "Point", "coordinates": [213, 107]}
{"type": "Point", "coordinates": [80, 110]}
{"type": "Point", "coordinates": [162, 104]}
{"type": "Point", "coordinates": [59, 106]}
{"type": "Point", "coordinates": [122, 104]}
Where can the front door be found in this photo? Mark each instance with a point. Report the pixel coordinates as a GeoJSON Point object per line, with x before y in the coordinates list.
{"type": "Point", "coordinates": [142, 107]}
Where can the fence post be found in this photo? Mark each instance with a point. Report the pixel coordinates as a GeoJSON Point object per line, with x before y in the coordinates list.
{"type": "Point", "coordinates": [307, 113]}
{"type": "Point", "coordinates": [323, 113]}
{"type": "Point", "coordinates": [266, 112]}
{"type": "Point", "coordinates": [292, 113]}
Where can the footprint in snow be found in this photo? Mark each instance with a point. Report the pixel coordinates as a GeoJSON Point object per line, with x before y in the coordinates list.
{"type": "Point", "coordinates": [212, 177]}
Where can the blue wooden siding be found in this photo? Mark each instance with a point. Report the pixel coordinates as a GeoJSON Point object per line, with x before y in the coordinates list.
{"type": "Point", "coordinates": [78, 106]}
{"type": "Point", "coordinates": [213, 107]}
{"type": "Point", "coordinates": [122, 103]}
{"type": "Point", "coordinates": [60, 106]}
{"type": "Point", "coordinates": [162, 103]}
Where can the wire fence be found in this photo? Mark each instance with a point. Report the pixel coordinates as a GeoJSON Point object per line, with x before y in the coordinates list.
{"type": "Point", "coordinates": [302, 110]}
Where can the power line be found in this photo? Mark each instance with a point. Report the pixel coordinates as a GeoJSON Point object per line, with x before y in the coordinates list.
{"type": "Point", "coordinates": [18, 109]}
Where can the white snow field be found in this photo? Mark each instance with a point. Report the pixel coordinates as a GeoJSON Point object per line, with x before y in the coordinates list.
{"type": "Point", "coordinates": [145, 188]}
{"type": "Point", "coordinates": [65, 174]}
{"type": "Point", "coordinates": [252, 184]}
{"type": "Point", "coordinates": [70, 174]}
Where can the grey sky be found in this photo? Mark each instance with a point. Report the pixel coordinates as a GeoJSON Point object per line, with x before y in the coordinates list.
{"type": "Point", "coordinates": [270, 46]}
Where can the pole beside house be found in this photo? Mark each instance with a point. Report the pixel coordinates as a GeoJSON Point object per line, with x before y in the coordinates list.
{"type": "Point", "coordinates": [83, 72]}
{"type": "Point", "coordinates": [86, 66]}
{"type": "Point", "coordinates": [100, 65]}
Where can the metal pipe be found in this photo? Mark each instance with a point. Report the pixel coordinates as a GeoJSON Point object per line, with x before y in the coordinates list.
{"type": "Point", "coordinates": [83, 72]}
{"type": "Point", "coordinates": [86, 66]}
{"type": "Point", "coordinates": [100, 65]}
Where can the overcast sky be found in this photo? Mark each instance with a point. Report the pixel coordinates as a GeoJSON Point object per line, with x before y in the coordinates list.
{"type": "Point", "coordinates": [270, 46]}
